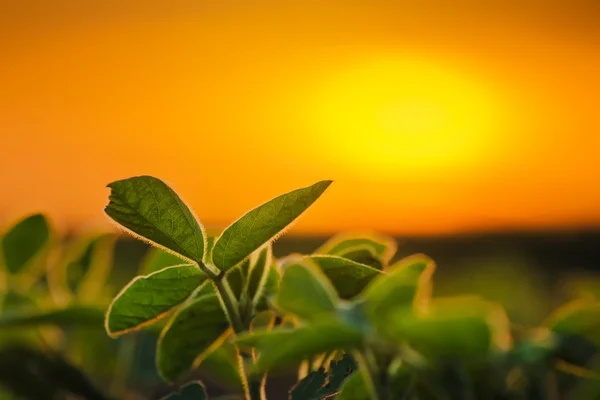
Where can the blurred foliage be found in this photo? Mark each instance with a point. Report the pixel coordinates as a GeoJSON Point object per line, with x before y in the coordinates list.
{"type": "Point", "coordinates": [350, 320]}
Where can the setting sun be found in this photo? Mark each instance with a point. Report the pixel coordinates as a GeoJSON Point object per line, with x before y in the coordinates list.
{"type": "Point", "coordinates": [402, 113]}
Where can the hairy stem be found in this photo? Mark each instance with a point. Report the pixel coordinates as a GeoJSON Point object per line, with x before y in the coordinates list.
{"type": "Point", "coordinates": [255, 385]}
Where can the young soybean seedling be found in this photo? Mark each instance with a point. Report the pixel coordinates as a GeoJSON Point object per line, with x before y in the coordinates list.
{"type": "Point", "coordinates": [205, 307]}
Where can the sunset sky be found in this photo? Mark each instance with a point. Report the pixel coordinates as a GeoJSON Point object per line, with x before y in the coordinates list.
{"type": "Point", "coordinates": [432, 117]}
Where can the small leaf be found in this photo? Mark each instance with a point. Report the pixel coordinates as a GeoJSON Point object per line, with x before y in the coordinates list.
{"type": "Point", "coordinates": [191, 391]}
{"type": "Point", "coordinates": [24, 241]}
{"type": "Point", "coordinates": [322, 384]}
{"type": "Point", "coordinates": [157, 259]}
{"type": "Point", "coordinates": [258, 274]}
{"type": "Point", "coordinates": [382, 247]}
{"type": "Point", "coordinates": [362, 254]}
{"type": "Point", "coordinates": [262, 224]}
{"type": "Point", "coordinates": [471, 327]}
{"type": "Point", "coordinates": [406, 283]}
{"type": "Point", "coordinates": [305, 291]}
{"type": "Point", "coordinates": [348, 277]}
{"type": "Point", "coordinates": [195, 330]}
{"type": "Point", "coordinates": [70, 316]}
{"type": "Point", "coordinates": [148, 298]}
{"type": "Point", "coordinates": [283, 346]}
{"type": "Point", "coordinates": [237, 278]}
{"type": "Point", "coordinates": [147, 207]}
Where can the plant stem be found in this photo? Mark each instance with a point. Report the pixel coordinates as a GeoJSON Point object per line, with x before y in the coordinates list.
{"type": "Point", "coordinates": [255, 388]}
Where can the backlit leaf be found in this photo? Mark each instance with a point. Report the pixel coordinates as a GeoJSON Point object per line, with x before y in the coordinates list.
{"type": "Point", "coordinates": [148, 298]}
{"type": "Point", "coordinates": [147, 207]}
{"type": "Point", "coordinates": [262, 224]}
{"type": "Point", "coordinates": [157, 259]}
{"type": "Point", "coordinates": [348, 277]}
{"type": "Point", "coordinates": [383, 247]}
{"type": "Point", "coordinates": [305, 291]}
{"type": "Point", "coordinates": [194, 331]}
{"type": "Point", "coordinates": [580, 317]}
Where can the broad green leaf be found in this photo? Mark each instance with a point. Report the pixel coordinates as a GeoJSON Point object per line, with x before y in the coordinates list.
{"type": "Point", "coordinates": [407, 282]}
{"type": "Point", "coordinates": [305, 291]}
{"type": "Point", "coordinates": [194, 331]}
{"type": "Point", "coordinates": [262, 224]}
{"type": "Point", "coordinates": [259, 270]}
{"type": "Point", "coordinates": [284, 346]}
{"type": "Point", "coordinates": [382, 247]}
{"type": "Point", "coordinates": [70, 316]}
{"type": "Point", "coordinates": [455, 327]}
{"type": "Point", "coordinates": [354, 388]}
{"type": "Point", "coordinates": [191, 391]}
{"type": "Point", "coordinates": [580, 317]}
{"type": "Point", "coordinates": [348, 277]}
{"type": "Point", "coordinates": [149, 208]}
{"type": "Point", "coordinates": [157, 259]}
{"type": "Point", "coordinates": [148, 298]}
{"type": "Point", "coordinates": [24, 241]}
{"type": "Point", "coordinates": [263, 320]}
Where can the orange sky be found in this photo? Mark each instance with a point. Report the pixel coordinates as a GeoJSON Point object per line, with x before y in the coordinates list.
{"type": "Point", "coordinates": [431, 117]}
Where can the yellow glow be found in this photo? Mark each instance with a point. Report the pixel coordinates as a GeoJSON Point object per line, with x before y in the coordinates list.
{"type": "Point", "coordinates": [405, 114]}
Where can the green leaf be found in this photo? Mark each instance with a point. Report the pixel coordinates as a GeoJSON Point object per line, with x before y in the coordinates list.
{"type": "Point", "coordinates": [147, 207]}
{"type": "Point", "coordinates": [70, 316]}
{"type": "Point", "coordinates": [382, 247]}
{"type": "Point", "coordinates": [362, 254]}
{"type": "Point", "coordinates": [191, 391]}
{"type": "Point", "coordinates": [283, 346]}
{"type": "Point", "coordinates": [259, 270]}
{"type": "Point", "coordinates": [148, 298]}
{"type": "Point", "coordinates": [348, 277]}
{"type": "Point", "coordinates": [157, 259]}
{"type": "Point", "coordinates": [354, 388]}
{"type": "Point", "coordinates": [471, 327]}
{"type": "Point", "coordinates": [407, 283]}
{"type": "Point", "coordinates": [26, 240]}
{"type": "Point", "coordinates": [262, 224]}
{"type": "Point", "coordinates": [270, 289]}
{"type": "Point", "coordinates": [195, 330]}
{"type": "Point", "coordinates": [222, 366]}
{"type": "Point", "coordinates": [580, 317]}
{"type": "Point", "coordinates": [100, 264]}
{"type": "Point", "coordinates": [322, 384]}
{"type": "Point", "coordinates": [237, 278]}
{"type": "Point", "coordinates": [305, 291]}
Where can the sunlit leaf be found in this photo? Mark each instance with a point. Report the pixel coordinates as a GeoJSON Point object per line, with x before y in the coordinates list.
{"type": "Point", "coordinates": [191, 391]}
{"type": "Point", "coordinates": [362, 254]}
{"type": "Point", "coordinates": [24, 241]}
{"type": "Point", "coordinates": [348, 277]}
{"type": "Point", "coordinates": [147, 298]}
{"type": "Point", "coordinates": [305, 291]}
{"type": "Point", "coordinates": [262, 224]}
{"type": "Point", "coordinates": [382, 247]}
{"type": "Point", "coordinates": [147, 207]}
{"type": "Point", "coordinates": [406, 283]}
{"type": "Point", "coordinates": [70, 316]}
{"type": "Point", "coordinates": [284, 346]}
{"type": "Point", "coordinates": [194, 331]}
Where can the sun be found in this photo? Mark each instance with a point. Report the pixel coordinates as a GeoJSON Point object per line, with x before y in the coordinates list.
{"type": "Point", "coordinates": [406, 115]}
